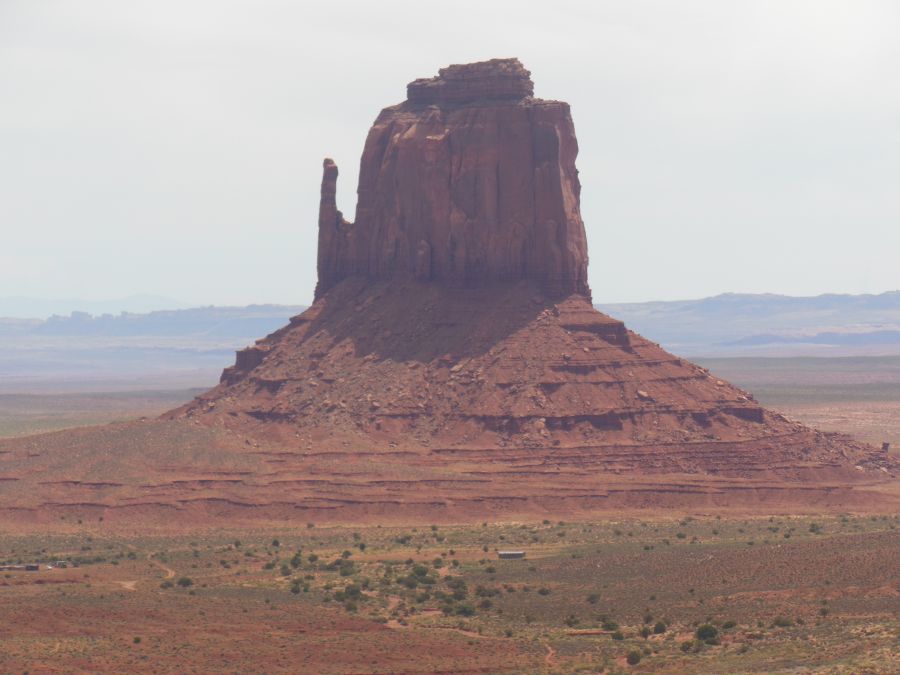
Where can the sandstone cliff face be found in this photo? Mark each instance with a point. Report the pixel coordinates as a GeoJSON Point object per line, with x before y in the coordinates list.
{"type": "Point", "coordinates": [469, 182]}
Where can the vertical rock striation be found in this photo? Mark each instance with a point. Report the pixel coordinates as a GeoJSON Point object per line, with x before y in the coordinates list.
{"type": "Point", "coordinates": [469, 182]}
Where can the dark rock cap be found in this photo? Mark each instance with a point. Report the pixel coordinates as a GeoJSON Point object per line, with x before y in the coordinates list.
{"type": "Point", "coordinates": [497, 79]}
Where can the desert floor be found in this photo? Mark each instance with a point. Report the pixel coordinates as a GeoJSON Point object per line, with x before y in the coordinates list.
{"type": "Point", "coordinates": [781, 593]}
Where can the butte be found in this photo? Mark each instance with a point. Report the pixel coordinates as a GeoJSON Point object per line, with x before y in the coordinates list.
{"type": "Point", "coordinates": [452, 366]}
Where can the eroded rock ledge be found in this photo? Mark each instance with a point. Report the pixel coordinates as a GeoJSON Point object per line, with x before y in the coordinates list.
{"type": "Point", "coordinates": [497, 79]}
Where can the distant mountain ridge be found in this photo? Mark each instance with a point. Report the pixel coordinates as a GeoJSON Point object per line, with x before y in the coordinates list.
{"type": "Point", "coordinates": [768, 324]}
{"type": "Point", "coordinates": [214, 322]}
{"type": "Point", "coordinates": [21, 307]}
{"type": "Point", "coordinates": [194, 345]}
{"type": "Point", "coordinates": [191, 346]}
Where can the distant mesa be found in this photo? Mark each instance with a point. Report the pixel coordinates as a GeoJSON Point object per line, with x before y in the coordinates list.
{"type": "Point", "coordinates": [452, 367]}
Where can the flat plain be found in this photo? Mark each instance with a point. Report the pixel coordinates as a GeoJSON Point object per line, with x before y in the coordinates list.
{"type": "Point", "coordinates": [855, 395]}
{"type": "Point", "coordinates": [686, 596]}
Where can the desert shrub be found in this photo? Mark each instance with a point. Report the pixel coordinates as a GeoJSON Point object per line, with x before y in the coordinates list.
{"type": "Point", "coordinates": [593, 598]}
{"type": "Point", "coordinates": [687, 646]}
{"type": "Point", "coordinates": [659, 628]}
{"type": "Point", "coordinates": [184, 582]}
{"type": "Point", "coordinates": [782, 622]}
{"type": "Point", "coordinates": [645, 632]}
{"type": "Point", "coordinates": [166, 584]}
{"type": "Point", "coordinates": [609, 624]}
{"type": "Point", "coordinates": [633, 658]}
{"type": "Point", "coordinates": [648, 618]}
{"type": "Point", "coordinates": [618, 635]}
{"type": "Point", "coordinates": [544, 591]}
{"type": "Point", "coordinates": [707, 632]}
{"type": "Point", "coordinates": [137, 640]}
{"type": "Point", "coordinates": [285, 570]}
{"type": "Point", "coordinates": [459, 593]}
{"type": "Point", "coordinates": [571, 621]}
{"type": "Point", "coordinates": [276, 543]}
{"type": "Point", "coordinates": [465, 609]}
{"type": "Point", "coordinates": [729, 624]}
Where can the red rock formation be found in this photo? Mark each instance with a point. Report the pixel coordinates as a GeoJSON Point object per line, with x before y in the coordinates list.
{"type": "Point", "coordinates": [453, 330]}
{"type": "Point", "coordinates": [452, 366]}
{"type": "Point", "coordinates": [470, 181]}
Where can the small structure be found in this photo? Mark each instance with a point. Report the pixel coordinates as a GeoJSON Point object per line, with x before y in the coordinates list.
{"type": "Point", "coordinates": [20, 568]}
{"type": "Point", "coordinates": [510, 555]}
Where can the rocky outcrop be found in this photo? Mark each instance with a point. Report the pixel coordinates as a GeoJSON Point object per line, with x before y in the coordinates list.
{"type": "Point", "coordinates": [453, 336]}
{"type": "Point", "coordinates": [469, 182]}
{"type": "Point", "coordinates": [452, 368]}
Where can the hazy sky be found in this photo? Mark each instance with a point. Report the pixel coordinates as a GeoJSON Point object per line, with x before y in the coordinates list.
{"type": "Point", "coordinates": [175, 147]}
